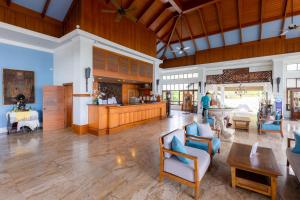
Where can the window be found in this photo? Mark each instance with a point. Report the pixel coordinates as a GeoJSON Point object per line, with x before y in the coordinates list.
{"type": "Point", "coordinates": [178, 90]}
{"type": "Point", "coordinates": [185, 75]}
{"type": "Point", "coordinates": [176, 76]}
{"type": "Point", "coordinates": [172, 77]}
{"type": "Point", "coordinates": [292, 67]}
{"type": "Point", "coordinates": [180, 76]}
{"type": "Point", "coordinates": [168, 77]}
{"type": "Point", "coordinates": [195, 75]}
{"type": "Point", "coordinates": [190, 75]}
{"type": "Point", "coordinates": [290, 84]}
{"type": "Point", "coordinates": [164, 77]}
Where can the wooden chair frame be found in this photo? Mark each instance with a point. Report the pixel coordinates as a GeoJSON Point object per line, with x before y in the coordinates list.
{"type": "Point", "coordinates": [162, 174]}
{"type": "Point", "coordinates": [289, 141]}
{"type": "Point", "coordinates": [261, 120]}
{"type": "Point", "coordinates": [203, 139]}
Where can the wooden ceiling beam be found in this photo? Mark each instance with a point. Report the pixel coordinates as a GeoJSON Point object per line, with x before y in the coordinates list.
{"type": "Point", "coordinates": [176, 5]}
{"type": "Point", "coordinates": [144, 9]}
{"type": "Point", "coordinates": [286, 2]}
{"type": "Point", "coordinates": [69, 12]}
{"type": "Point", "coordinates": [46, 6]}
{"type": "Point", "coordinates": [239, 20]}
{"type": "Point", "coordinates": [8, 2]}
{"type": "Point", "coordinates": [261, 19]}
{"type": "Point", "coordinates": [158, 13]}
{"type": "Point", "coordinates": [203, 25]}
{"type": "Point", "coordinates": [190, 31]}
{"type": "Point", "coordinates": [164, 22]}
{"type": "Point", "coordinates": [195, 5]}
{"type": "Point", "coordinates": [171, 35]}
{"type": "Point", "coordinates": [220, 22]}
{"type": "Point", "coordinates": [180, 42]}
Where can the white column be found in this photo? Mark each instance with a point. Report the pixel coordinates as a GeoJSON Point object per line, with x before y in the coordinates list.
{"type": "Point", "coordinates": [222, 96]}
{"type": "Point", "coordinates": [156, 76]}
{"type": "Point", "coordinates": [279, 72]}
{"type": "Point", "coordinates": [83, 59]}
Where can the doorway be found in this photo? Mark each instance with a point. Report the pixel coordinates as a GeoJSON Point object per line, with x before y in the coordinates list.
{"type": "Point", "coordinates": [68, 87]}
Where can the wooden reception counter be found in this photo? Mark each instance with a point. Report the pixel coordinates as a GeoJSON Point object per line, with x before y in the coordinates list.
{"type": "Point", "coordinates": [106, 119]}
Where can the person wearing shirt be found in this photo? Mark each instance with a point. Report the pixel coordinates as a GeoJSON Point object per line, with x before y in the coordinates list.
{"type": "Point", "coordinates": [205, 101]}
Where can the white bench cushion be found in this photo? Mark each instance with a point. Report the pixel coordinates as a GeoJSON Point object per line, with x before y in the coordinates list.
{"type": "Point", "coordinates": [294, 160]}
{"type": "Point", "coordinates": [179, 133]}
{"type": "Point", "coordinates": [186, 171]}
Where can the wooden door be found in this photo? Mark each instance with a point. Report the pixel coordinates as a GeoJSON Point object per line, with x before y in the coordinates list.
{"type": "Point", "coordinates": [53, 108]}
{"type": "Point", "coordinates": [295, 104]}
{"type": "Point", "coordinates": [69, 104]}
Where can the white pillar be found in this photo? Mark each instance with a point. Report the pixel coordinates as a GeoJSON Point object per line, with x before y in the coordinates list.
{"type": "Point", "coordinates": [156, 76]}
{"type": "Point", "coordinates": [279, 72]}
{"type": "Point", "coordinates": [222, 96]}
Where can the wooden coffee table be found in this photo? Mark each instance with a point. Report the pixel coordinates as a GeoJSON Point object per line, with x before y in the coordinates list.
{"type": "Point", "coordinates": [258, 174]}
{"type": "Point", "coordinates": [241, 122]}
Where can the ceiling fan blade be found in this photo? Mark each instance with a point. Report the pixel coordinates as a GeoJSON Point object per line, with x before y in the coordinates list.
{"type": "Point", "coordinates": [118, 18]}
{"type": "Point", "coordinates": [186, 48]}
{"type": "Point", "coordinates": [177, 48]}
{"type": "Point", "coordinates": [180, 52]}
{"type": "Point", "coordinates": [132, 18]}
{"type": "Point", "coordinates": [115, 3]}
{"type": "Point", "coordinates": [284, 32]}
{"type": "Point", "coordinates": [108, 11]}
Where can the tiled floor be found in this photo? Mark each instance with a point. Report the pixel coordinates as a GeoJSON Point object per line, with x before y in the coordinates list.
{"type": "Point", "coordinates": [62, 165]}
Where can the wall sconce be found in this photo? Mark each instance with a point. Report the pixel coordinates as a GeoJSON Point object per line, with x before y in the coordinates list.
{"type": "Point", "coordinates": [199, 85]}
{"type": "Point", "coordinates": [87, 72]}
{"type": "Point", "coordinates": [278, 82]}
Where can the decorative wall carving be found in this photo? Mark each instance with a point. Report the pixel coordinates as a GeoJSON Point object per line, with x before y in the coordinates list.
{"type": "Point", "coordinates": [111, 89]}
{"type": "Point", "coordinates": [18, 82]}
{"type": "Point", "coordinates": [241, 75]}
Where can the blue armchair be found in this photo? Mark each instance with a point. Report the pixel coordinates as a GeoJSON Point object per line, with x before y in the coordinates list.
{"type": "Point", "coordinates": [209, 144]}
{"type": "Point", "coordinates": [272, 126]}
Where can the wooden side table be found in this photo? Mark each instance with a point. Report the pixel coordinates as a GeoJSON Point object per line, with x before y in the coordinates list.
{"type": "Point", "coordinates": [258, 174]}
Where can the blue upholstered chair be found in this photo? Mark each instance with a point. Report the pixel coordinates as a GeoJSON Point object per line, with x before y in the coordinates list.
{"type": "Point", "coordinates": [271, 126]}
{"type": "Point", "coordinates": [209, 144]}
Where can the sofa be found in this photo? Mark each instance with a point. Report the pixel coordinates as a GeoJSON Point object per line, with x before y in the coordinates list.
{"type": "Point", "coordinates": [293, 159]}
{"type": "Point", "coordinates": [170, 166]}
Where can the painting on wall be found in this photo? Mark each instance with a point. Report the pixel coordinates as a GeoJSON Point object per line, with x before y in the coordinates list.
{"type": "Point", "coordinates": [17, 82]}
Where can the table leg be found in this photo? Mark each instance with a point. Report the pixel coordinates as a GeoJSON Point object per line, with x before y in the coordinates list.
{"type": "Point", "coordinates": [273, 187]}
{"type": "Point", "coordinates": [233, 177]}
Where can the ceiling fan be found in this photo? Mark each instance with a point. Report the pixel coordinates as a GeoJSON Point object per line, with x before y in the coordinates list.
{"type": "Point", "coordinates": [121, 11]}
{"type": "Point", "coordinates": [181, 49]}
{"type": "Point", "coordinates": [292, 26]}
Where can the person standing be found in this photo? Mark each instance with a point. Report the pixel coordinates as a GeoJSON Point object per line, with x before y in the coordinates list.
{"type": "Point", "coordinates": [205, 101]}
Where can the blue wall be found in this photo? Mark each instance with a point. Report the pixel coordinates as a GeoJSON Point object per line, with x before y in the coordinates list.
{"type": "Point", "coordinates": [41, 63]}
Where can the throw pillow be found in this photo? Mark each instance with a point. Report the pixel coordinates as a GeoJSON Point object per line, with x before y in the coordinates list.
{"type": "Point", "coordinates": [296, 149]}
{"type": "Point", "coordinates": [192, 129]}
{"type": "Point", "coordinates": [179, 147]}
{"type": "Point", "coordinates": [204, 130]}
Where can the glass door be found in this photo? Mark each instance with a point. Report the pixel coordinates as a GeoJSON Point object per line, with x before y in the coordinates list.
{"type": "Point", "coordinates": [295, 103]}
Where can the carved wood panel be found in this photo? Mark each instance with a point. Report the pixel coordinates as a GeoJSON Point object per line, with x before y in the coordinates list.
{"type": "Point", "coordinates": [241, 75]}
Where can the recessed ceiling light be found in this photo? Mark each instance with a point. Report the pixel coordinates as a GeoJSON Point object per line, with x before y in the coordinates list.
{"type": "Point", "coordinates": [100, 78]}
{"type": "Point", "coordinates": [119, 80]}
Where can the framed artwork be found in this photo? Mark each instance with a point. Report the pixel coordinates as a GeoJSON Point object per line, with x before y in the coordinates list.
{"type": "Point", "coordinates": [18, 82]}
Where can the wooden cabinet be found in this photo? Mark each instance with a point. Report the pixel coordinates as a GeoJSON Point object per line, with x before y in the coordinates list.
{"type": "Point", "coordinates": [113, 65]}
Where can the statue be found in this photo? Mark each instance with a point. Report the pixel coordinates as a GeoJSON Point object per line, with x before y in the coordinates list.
{"type": "Point", "coordinates": [21, 105]}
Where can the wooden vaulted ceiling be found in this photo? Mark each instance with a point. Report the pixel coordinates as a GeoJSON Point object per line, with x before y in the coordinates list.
{"type": "Point", "coordinates": [177, 21]}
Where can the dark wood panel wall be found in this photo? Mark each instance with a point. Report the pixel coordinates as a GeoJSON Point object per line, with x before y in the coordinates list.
{"type": "Point", "coordinates": [113, 65]}
{"type": "Point", "coordinates": [26, 18]}
{"type": "Point", "coordinates": [127, 33]}
{"type": "Point", "coordinates": [266, 47]}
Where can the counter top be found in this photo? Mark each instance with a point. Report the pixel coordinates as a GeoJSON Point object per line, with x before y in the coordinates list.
{"type": "Point", "coordinates": [115, 105]}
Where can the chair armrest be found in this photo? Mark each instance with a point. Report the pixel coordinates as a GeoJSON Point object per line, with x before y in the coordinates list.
{"type": "Point", "coordinates": [289, 140]}
{"type": "Point", "coordinates": [198, 137]}
{"type": "Point", "coordinates": [203, 139]}
{"type": "Point", "coordinates": [194, 158]}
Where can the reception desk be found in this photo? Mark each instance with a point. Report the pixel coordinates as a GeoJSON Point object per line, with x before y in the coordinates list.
{"type": "Point", "coordinates": [107, 119]}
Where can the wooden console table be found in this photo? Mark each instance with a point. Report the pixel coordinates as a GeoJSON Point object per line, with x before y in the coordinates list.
{"type": "Point", "coordinates": [258, 174]}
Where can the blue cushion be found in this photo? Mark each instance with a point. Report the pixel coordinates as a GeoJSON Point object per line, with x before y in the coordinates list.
{"type": "Point", "coordinates": [192, 129]}
{"type": "Point", "coordinates": [177, 146]}
{"type": "Point", "coordinates": [210, 120]}
{"type": "Point", "coordinates": [296, 149]}
{"type": "Point", "coordinates": [204, 146]}
{"type": "Point", "coordinates": [271, 127]}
